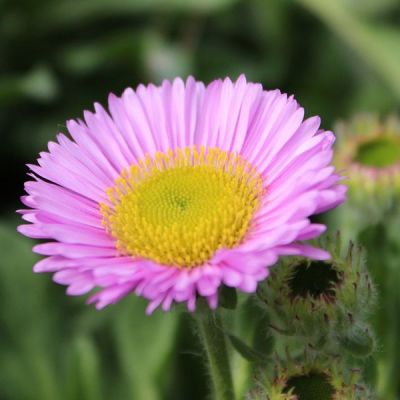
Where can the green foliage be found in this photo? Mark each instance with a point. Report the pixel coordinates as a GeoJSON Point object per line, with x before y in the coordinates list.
{"type": "Point", "coordinates": [144, 348]}
{"type": "Point", "coordinates": [358, 342]}
{"type": "Point", "coordinates": [377, 44]}
{"type": "Point", "coordinates": [246, 351]}
{"type": "Point", "coordinates": [53, 347]}
{"type": "Point", "coordinates": [58, 57]}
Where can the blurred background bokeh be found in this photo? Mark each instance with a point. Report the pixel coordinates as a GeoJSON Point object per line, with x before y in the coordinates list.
{"type": "Point", "coordinates": [59, 56]}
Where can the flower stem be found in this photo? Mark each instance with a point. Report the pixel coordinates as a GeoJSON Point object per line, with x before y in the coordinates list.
{"type": "Point", "coordinates": [210, 332]}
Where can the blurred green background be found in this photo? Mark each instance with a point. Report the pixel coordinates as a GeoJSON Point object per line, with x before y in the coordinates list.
{"type": "Point", "coordinates": [58, 57]}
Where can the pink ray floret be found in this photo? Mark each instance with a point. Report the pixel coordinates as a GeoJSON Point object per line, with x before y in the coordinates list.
{"type": "Point", "coordinates": [265, 127]}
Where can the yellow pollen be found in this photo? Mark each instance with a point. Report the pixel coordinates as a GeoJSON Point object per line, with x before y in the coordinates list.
{"type": "Point", "coordinates": [181, 206]}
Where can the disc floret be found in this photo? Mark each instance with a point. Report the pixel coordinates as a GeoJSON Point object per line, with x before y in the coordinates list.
{"type": "Point", "coordinates": [178, 208]}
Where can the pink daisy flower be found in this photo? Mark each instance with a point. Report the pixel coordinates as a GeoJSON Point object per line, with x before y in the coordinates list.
{"type": "Point", "coordinates": [179, 189]}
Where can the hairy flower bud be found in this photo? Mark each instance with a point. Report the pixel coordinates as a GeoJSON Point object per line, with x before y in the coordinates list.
{"type": "Point", "coordinates": [324, 302]}
{"type": "Point", "coordinates": [312, 380]}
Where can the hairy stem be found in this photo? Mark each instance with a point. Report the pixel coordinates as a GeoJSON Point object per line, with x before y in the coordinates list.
{"type": "Point", "coordinates": [209, 330]}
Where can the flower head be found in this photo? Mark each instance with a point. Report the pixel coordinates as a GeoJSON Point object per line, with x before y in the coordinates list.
{"type": "Point", "coordinates": [337, 296]}
{"type": "Point", "coordinates": [178, 190]}
{"type": "Point", "coordinates": [369, 154]}
{"type": "Point", "coordinates": [369, 151]}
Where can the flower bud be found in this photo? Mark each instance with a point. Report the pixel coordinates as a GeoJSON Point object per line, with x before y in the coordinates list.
{"type": "Point", "coordinates": [368, 151]}
{"type": "Point", "coordinates": [312, 380]}
{"type": "Point", "coordinates": [320, 300]}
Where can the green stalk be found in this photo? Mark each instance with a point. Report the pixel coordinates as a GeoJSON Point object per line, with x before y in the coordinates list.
{"type": "Point", "coordinates": [210, 332]}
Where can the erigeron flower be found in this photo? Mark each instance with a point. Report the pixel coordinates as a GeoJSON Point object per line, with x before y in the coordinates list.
{"type": "Point", "coordinates": [368, 153]}
{"type": "Point", "coordinates": [179, 189]}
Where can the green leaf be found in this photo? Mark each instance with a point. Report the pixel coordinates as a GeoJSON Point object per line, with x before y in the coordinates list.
{"type": "Point", "coordinates": [27, 345]}
{"type": "Point", "coordinates": [371, 7]}
{"type": "Point", "coordinates": [245, 350]}
{"type": "Point", "coordinates": [83, 378]}
{"type": "Point", "coordinates": [144, 346]}
{"type": "Point", "coordinates": [21, 292]}
{"type": "Point", "coordinates": [377, 45]}
{"type": "Point", "coordinates": [67, 12]}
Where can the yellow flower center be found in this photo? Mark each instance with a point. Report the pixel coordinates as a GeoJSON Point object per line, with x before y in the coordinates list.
{"type": "Point", "coordinates": [180, 207]}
